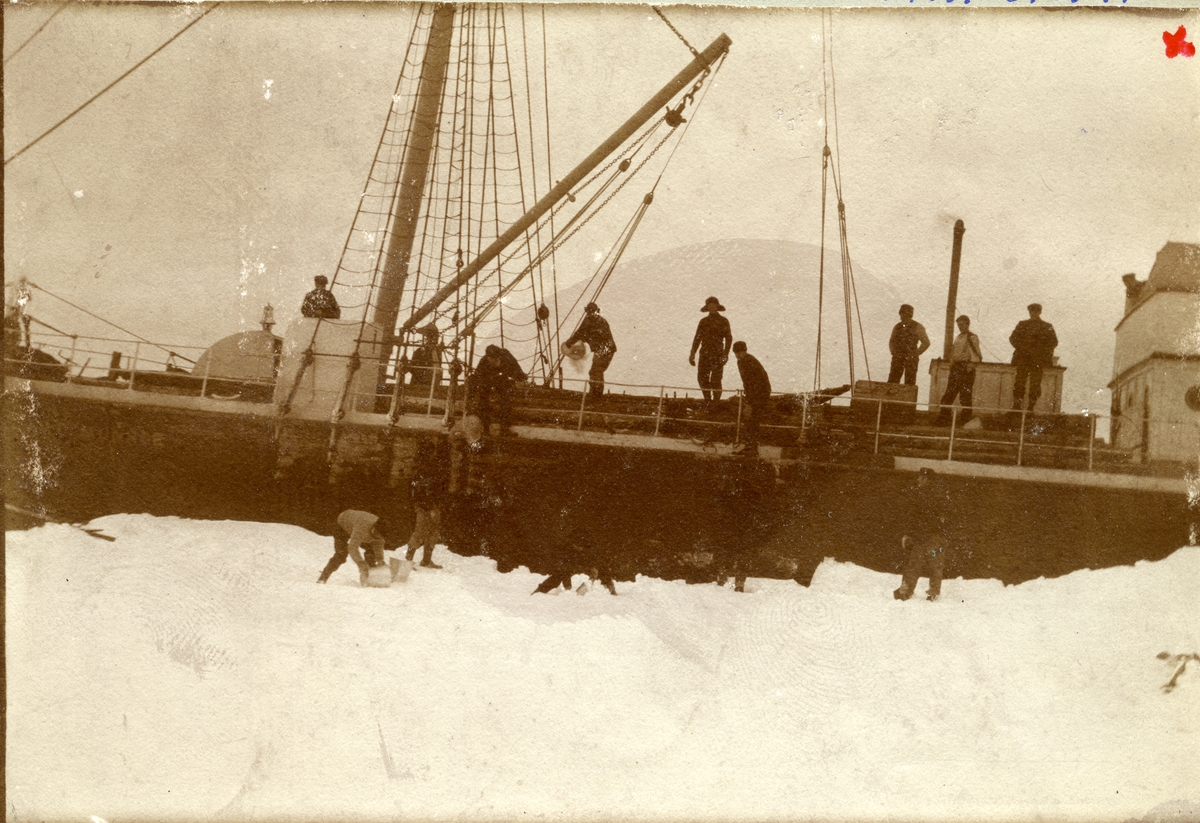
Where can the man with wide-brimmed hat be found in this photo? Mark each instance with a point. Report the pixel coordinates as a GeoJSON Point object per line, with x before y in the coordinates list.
{"type": "Point", "coordinates": [594, 331]}
{"type": "Point", "coordinates": [713, 339]}
{"type": "Point", "coordinates": [320, 302]}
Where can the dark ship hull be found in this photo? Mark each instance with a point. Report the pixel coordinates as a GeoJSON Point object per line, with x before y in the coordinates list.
{"type": "Point", "coordinates": [652, 501]}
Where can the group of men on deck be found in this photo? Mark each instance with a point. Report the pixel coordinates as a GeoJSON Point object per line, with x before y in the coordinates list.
{"type": "Point", "coordinates": [1033, 342]}
{"type": "Point", "coordinates": [489, 385]}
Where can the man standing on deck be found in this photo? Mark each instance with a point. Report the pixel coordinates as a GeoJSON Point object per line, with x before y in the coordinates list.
{"type": "Point", "coordinates": [355, 530]}
{"type": "Point", "coordinates": [594, 331]}
{"type": "Point", "coordinates": [1033, 343]}
{"type": "Point", "coordinates": [426, 363]}
{"type": "Point", "coordinates": [713, 339]}
{"type": "Point", "coordinates": [964, 354]}
{"type": "Point", "coordinates": [489, 388]}
{"type": "Point", "coordinates": [320, 302]}
{"type": "Point", "coordinates": [908, 343]}
{"type": "Point", "coordinates": [757, 388]}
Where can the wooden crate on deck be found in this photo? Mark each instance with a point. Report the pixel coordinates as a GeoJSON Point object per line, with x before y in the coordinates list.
{"type": "Point", "coordinates": [899, 405]}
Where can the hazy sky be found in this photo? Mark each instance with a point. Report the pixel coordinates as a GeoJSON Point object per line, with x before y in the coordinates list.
{"type": "Point", "coordinates": [224, 173]}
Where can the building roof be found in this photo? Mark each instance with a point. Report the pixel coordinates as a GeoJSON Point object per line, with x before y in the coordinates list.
{"type": "Point", "coordinates": [1176, 268]}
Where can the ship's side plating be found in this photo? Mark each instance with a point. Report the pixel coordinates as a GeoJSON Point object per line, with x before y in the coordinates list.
{"type": "Point", "coordinates": [645, 502]}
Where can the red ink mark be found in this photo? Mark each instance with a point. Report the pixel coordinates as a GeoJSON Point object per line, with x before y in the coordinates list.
{"type": "Point", "coordinates": [1176, 45]}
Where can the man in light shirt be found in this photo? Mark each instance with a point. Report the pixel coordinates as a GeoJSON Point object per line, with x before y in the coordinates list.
{"type": "Point", "coordinates": [355, 530]}
{"type": "Point", "coordinates": [964, 354]}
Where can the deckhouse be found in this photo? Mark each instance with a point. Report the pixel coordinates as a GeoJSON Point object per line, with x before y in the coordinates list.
{"type": "Point", "coordinates": [1156, 363]}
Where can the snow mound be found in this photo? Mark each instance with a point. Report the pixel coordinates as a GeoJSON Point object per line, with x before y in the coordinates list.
{"type": "Point", "coordinates": [195, 668]}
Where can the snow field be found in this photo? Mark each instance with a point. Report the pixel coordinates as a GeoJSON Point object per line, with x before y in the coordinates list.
{"type": "Point", "coordinates": [195, 669]}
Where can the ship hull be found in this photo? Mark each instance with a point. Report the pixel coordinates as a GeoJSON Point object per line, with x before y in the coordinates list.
{"type": "Point", "coordinates": [644, 504]}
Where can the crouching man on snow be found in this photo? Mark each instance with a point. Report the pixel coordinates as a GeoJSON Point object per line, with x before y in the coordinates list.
{"type": "Point", "coordinates": [355, 530]}
{"type": "Point", "coordinates": [925, 541]}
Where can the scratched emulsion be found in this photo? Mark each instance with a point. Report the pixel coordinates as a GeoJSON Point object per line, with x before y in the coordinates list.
{"type": "Point", "coordinates": [37, 470]}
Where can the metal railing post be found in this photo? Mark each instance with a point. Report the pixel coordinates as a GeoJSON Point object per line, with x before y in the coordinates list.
{"type": "Point", "coordinates": [737, 429]}
{"type": "Point", "coordinates": [587, 384]}
{"type": "Point", "coordinates": [432, 385]}
{"type": "Point", "coordinates": [137, 349]}
{"type": "Point", "coordinates": [74, 341]}
{"type": "Point", "coordinates": [953, 426]}
{"type": "Point", "coordinates": [204, 380]}
{"type": "Point", "coordinates": [878, 423]}
{"type": "Point", "coordinates": [1021, 438]}
{"type": "Point", "coordinates": [662, 390]}
{"type": "Point", "coordinates": [1091, 439]}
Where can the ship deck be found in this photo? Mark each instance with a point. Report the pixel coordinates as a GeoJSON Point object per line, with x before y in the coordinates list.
{"type": "Point", "coordinates": [818, 428]}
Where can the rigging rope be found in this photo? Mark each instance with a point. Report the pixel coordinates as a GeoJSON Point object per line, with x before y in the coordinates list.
{"type": "Point", "coordinates": [849, 289]}
{"type": "Point", "coordinates": [35, 34]}
{"type": "Point", "coordinates": [94, 97]}
{"type": "Point", "coordinates": [627, 234]}
{"type": "Point", "coordinates": [550, 179]}
{"type": "Point", "coordinates": [109, 322]}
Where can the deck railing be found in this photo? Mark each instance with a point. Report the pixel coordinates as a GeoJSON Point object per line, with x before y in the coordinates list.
{"type": "Point", "coordinates": [660, 410]}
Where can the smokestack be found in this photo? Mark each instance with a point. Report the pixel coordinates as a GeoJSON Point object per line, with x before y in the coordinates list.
{"type": "Point", "coordinates": [952, 297]}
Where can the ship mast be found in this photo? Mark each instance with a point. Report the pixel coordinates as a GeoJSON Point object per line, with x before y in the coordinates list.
{"type": "Point", "coordinates": [414, 171]}
{"type": "Point", "coordinates": [698, 65]}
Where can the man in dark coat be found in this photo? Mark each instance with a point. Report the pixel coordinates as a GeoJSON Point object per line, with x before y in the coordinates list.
{"type": "Point", "coordinates": [594, 331]}
{"type": "Point", "coordinates": [575, 557]}
{"type": "Point", "coordinates": [425, 366]}
{"type": "Point", "coordinates": [908, 342]}
{"type": "Point", "coordinates": [925, 539]}
{"type": "Point", "coordinates": [428, 490]}
{"type": "Point", "coordinates": [320, 302]}
{"type": "Point", "coordinates": [757, 388]}
{"type": "Point", "coordinates": [713, 339]}
{"type": "Point", "coordinates": [489, 387]}
{"type": "Point", "coordinates": [1033, 343]}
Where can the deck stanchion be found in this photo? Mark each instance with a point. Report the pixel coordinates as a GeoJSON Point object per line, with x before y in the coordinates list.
{"type": "Point", "coordinates": [662, 390]}
{"type": "Point", "coordinates": [803, 417]}
{"type": "Point", "coordinates": [137, 349]}
{"type": "Point", "coordinates": [204, 380]}
{"type": "Point", "coordinates": [433, 378]}
{"type": "Point", "coordinates": [953, 426]}
{"type": "Point", "coordinates": [1091, 438]}
{"type": "Point", "coordinates": [1021, 437]}
{"type": "Point", "coordinates": [587, 384]}
{"type": "Point", "coordinates": [737, 429]}
{"type": "Point", "coordinates": [74, 341]}
{"type": "Point", "coordinates": [878, 422]}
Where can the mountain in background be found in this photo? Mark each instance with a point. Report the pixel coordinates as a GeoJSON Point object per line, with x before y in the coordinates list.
{"type": "Point", "coordinates": [770, 292]}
